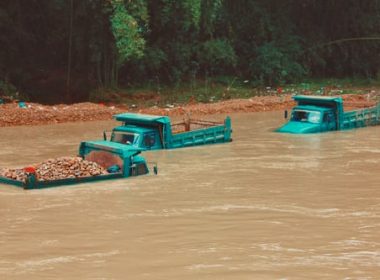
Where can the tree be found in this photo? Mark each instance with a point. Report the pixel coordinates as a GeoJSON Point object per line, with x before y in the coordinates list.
{"type": "Point", "coordinates": [127, 32]}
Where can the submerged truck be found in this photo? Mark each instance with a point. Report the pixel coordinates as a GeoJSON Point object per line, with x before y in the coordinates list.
{"type": "Point", "coordinates": [119, 160]}
{"type": "Point", "coordinates": [150, 132]}
{"type": "Point", "coordinates": [314, 114]}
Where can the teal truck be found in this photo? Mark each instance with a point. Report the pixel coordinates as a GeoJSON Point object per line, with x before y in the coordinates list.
{"type": "Point", "coordinates": [121, 161]}
{"type": "Point", "coordinates": [314, 114]}
{"type": "Point", "coordinates": [150, 132]}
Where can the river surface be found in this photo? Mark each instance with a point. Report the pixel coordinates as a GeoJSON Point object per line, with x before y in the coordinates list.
{"type": "Point", "coordinates": [266, 206]}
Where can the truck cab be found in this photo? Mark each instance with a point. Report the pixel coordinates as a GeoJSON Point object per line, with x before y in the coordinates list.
{"type": "Point", "coordinates": [148, 132]}
{"type": "Point", "coordinates": [140, 131]}
{"type": "Point", "coordinates": [313, 115]}
{"type": "Point", "coordinates": [115, 157]}
{"type": "Point", "coordinates": [138, 137]}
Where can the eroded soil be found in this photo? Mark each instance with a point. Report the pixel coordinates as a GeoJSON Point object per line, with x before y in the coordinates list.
{"type": "Point", "coordinates": [36, 114]}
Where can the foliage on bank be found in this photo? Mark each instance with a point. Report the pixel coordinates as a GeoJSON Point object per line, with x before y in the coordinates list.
{"type": "Point", "coordinates": [60, 50]}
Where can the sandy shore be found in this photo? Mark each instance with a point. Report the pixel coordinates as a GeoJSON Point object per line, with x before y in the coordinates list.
{"type": "Point", "coordinates": [36, 114]}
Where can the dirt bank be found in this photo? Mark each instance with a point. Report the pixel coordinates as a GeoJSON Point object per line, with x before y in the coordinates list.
{"type": "Point", "coordinates": [36, 114]}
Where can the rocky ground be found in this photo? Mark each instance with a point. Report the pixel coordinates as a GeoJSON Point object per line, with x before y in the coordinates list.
{"type": "Point", "coordinates": [36, 114]}
{"type": "Point", "coordinates": [55, 169]}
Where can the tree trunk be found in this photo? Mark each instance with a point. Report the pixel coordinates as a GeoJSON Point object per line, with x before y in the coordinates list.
{"type": "Point", "coordinates": [69, 52]}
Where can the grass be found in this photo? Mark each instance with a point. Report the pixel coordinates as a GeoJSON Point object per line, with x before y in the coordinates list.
{"type": "Point", "coordinates": [224, 88]}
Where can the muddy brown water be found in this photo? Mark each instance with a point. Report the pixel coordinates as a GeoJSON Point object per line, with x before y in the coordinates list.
{"type": "Point", "coordinates": [266, 206]}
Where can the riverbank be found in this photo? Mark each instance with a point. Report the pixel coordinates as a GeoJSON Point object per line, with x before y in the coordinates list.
{"type": "Point", "coordinates": [36, 114]}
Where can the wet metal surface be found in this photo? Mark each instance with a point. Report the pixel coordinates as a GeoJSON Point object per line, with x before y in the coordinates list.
{"type": "Point", "coordinates": [266, 206]}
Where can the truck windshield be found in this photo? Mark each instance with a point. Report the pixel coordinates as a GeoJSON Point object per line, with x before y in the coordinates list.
{"type": "Point", "coordinates": [124, 137]}
{"type": "Point", "coordinates": [306, 116]}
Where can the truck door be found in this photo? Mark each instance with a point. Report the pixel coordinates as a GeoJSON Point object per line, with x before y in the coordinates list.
{"type": "Point", "coordinates": [329, 121]}
{"type": "Point", "coordinates": [150, 140]}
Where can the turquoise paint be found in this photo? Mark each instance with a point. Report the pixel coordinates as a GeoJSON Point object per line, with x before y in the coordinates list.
{"type": "Point", "coordinates": [127, 153]}
{"type": "Point", "coordinates": [130, 157]}
{"type": "Point", "coordinates": [141, 119]}
{"type": "Point", "coordinates": [32, 183]}
{"type": "Point", "coordinates": [155, 132]}
{"type": "Point", "coordinates": [304, 118]}
{"type": "Point", "coordinates": [299, 128]}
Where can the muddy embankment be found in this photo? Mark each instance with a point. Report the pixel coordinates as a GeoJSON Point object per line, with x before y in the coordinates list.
{"type": "Point", "coordinates": [36, 114]}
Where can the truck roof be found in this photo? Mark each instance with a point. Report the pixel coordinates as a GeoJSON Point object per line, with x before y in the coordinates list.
{"type": "Point", "coordinates": [132, 128]}
{"type": "Point", "coordinates": [311, 107]}
{"type": "Point", "coordinates": [318, 98]}
{"type": "Point", "coordinates": [132, 118]}
{"type": "Point", "coordinates": [333, 102]}
{"type": "Point", "coordinates": [113, 147]}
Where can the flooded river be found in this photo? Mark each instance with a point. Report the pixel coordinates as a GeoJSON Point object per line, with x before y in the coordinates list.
{"type": "Point", "coordinates": [266, 206]}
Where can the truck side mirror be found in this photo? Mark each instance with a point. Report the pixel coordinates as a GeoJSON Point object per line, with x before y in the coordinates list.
{"type": "Point", "coordinates": [155, 169]}
{"type": "Point", "coordinates": [286, 114]}
{"type": "Point", "coordinates": [104, 136]}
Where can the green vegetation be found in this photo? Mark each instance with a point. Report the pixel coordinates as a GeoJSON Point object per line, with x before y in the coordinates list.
{"type": "Point", "coordinates": [63, 50]}
{"type": "Point", "coordinates": [225, 88]}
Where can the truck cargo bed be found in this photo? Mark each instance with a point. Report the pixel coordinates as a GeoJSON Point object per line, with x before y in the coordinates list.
{"type": "Point", "coordinates": [213, 134]}
{"type": "Point", "coordinates": [157, 132]}
{"type": "Point", "coordinates": [35, 184]}
{"type": "Point", "coordinates": [361, 118]}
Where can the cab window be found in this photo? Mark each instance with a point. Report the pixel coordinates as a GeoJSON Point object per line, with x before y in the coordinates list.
{"type": "Point", "coordinates": [149, 139]}
{"type": "Point", "coordinates": [306, 116]}
{"type": "Point", "coordinates": [123, 137]}
{"type": "Point", "coordinates": [328, 117]}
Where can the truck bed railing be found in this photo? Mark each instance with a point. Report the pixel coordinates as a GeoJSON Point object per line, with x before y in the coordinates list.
{"type": "Point", "coordinates": [215, 134]}
{"type": "Point", "coordinates": [361, 118]}
{"type": "Point", "coordinates": [36, 184]}
{"type": "Point", "coordinates": [193, 124]}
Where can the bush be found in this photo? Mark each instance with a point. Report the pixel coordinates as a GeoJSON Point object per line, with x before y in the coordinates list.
{"type": "Point", "coordinates": [9, 90]}
{"type": "Point", "coordinates": [274, 65]}
{"type": "Point", "coordinates": [216, 56]}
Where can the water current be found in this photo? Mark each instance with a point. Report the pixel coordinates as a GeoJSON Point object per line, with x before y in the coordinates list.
{"type": "Point", "coordinates": [266, 206]}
